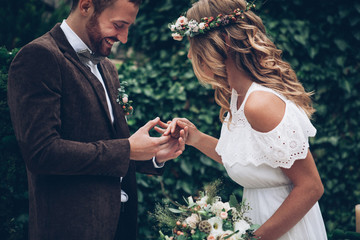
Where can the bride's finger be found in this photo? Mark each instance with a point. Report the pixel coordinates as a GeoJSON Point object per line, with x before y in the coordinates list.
{"type": "Point", "coordinates": [167, 131]}
{"type": "Point", "coordinates": [186, 133]}
{"type": "Point", "coordinates": [182, 124]}
{"type": "Point", "coordinates": [159, 130]}
{"type": "Point", "coordinates": [182, 140]}
{"type": "Point", "coordinates": [171, 126]}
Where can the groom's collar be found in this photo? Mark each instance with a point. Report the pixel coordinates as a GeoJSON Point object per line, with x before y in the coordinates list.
{"type": "Point", "coordinates": [74, 40]}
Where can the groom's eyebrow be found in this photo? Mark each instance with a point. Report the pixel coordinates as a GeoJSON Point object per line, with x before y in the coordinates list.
{"type": "Point", "coordinates": [123, 21]}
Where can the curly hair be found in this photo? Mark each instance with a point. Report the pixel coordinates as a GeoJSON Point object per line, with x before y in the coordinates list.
{"type": "Point", "coordinates": [250, 48]}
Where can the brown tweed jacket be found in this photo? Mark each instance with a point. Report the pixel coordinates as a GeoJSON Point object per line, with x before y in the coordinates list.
{"type": "Point", "coordinates": [73, 153]}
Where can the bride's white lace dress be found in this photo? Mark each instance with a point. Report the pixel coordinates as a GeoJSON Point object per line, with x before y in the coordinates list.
{"type": "Point", "coordinates": [253, 160]}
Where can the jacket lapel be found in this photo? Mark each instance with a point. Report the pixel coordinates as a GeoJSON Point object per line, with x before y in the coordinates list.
{"type": "Point", "coordinates": [71, 55]}
{"type": "Point", "coordinates": [120, 123]}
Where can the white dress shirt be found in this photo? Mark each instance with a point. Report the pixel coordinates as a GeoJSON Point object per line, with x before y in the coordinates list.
{"type": "Point", "coordinates": [78, 45]}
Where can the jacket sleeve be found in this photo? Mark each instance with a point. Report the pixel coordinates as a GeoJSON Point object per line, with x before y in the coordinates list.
{"type": "Point", "coordinates": [147, 167]}
{"type": "Point", "coordinates": [34, 98]}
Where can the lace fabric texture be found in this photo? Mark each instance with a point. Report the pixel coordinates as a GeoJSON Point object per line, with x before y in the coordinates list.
{"type": "Point", "coordinates": [280, 147]}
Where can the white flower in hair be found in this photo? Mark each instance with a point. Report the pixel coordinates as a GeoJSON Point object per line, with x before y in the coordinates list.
{"type": "Point", "coordinates": [202, 25]}
{"type": "Point", "coordinates": [178, 26]}
{"type": "Point", "coordinates": [177, 36]}
{"type": "Point", "coordinates": [193, 26]}
{"type": "Point", "coordinates": [182, 21]}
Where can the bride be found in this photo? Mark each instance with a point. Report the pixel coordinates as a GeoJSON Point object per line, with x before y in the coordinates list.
{"type": "Point", "coordinates": [264, 138]}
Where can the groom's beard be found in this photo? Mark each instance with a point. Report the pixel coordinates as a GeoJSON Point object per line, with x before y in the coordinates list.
{"type": "Point", "coordinates": [98, 44]}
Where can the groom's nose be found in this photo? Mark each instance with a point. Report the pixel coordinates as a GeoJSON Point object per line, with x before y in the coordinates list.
{"type": "Point", "coordinates": [123, 36]}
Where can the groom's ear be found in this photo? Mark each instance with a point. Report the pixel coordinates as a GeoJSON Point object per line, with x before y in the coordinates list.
{"type": "Point", "coordinates": [86, 7]}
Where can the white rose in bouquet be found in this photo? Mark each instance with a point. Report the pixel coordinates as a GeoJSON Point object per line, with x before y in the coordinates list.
{"type": "Point", "coordinates": [202, 202]}
{"type": "Point", "coordinates": [192, 221]}
{"type": "Point", "coordinates": [241, 226]}
{"type": "Point", "coordinates": [219, 206]}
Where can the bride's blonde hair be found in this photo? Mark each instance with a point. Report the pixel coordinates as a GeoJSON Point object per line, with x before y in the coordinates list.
{"type": "Point", "coordinates": [251, 50]}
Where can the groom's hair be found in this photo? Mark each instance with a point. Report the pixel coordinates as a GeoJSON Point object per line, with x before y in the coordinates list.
{"type": "Point", "coordinates": [101, 5]}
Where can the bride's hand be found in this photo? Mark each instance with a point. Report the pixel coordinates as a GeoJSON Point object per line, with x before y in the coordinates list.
{"type": "Point", "coordinates": [164, 128]}
{"type": "Point", "coordinates": [175, 126]}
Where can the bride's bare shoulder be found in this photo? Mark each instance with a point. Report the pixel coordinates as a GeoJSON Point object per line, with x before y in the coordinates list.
{"type": "Point", "coordinates": [264, 110]}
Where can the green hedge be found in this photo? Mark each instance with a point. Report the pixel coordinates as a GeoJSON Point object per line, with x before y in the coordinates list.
{"type": "Point", "coordinates": [13, 183]}
{"type": "Point", "coordinates": [321, 41]}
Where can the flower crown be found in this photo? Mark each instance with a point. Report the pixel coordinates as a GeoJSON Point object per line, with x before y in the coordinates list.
{"type": "Point", "coordinates": [183, 27]}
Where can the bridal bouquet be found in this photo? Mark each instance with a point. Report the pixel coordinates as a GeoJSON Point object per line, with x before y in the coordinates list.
{"type": "Point", "coordinates": [205, 217]}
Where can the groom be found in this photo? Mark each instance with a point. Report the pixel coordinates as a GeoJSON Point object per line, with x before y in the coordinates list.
{"type": "Point", "coordinates": [79, 155]}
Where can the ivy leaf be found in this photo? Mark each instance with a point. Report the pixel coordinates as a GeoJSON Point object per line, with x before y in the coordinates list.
{"type": "Point", "coordinates": [357, 7]}
{"type": "Point", "coordinates": [341, 60]}
{"type": "Point", "coordinates": [301, 39]}
{"type": "Point", "coordinates": [233, 201]}
{"type": "Point", "coordinates": [187, 168]}
{"type": "Point", "coordinates": [341, 44]}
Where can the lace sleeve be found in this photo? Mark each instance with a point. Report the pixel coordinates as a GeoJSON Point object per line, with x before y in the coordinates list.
{"type": "Point", "coordinates": [287, 142]}
{"type": "Point", "coordinates": [280, 147]}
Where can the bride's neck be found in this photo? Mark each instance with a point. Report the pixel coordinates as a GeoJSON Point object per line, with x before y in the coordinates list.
{"type": "Point", "coordinates": [237, 79]}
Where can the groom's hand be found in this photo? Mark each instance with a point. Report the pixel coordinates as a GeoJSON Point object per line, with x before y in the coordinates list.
{"type": "Point", "coordinates": [143, 146]}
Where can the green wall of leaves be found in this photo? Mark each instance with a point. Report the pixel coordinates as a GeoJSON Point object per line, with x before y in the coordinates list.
{"type": "Point", "coordinates": [320, 39]}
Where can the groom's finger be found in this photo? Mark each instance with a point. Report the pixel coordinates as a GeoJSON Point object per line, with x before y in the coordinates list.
{"type": "Point", "coordinates": [151, 124]}
{"type": "Point", "coordinates": [178, 153]}
{"type": "Point", "coordinates": [162, 124]}
{"type": "Point", "coordinates": [162, 140]}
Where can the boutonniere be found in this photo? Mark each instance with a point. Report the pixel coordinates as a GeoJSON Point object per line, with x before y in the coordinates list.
{"type": "Point", "coordinates": [123, 99]}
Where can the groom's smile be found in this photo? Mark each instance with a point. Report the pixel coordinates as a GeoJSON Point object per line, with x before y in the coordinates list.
{"type": "Point", "coordinates": [111, 26]}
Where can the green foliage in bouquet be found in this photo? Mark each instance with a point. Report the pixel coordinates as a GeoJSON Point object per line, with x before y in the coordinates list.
{"type": "Point", "coordinates": [205, 217]}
